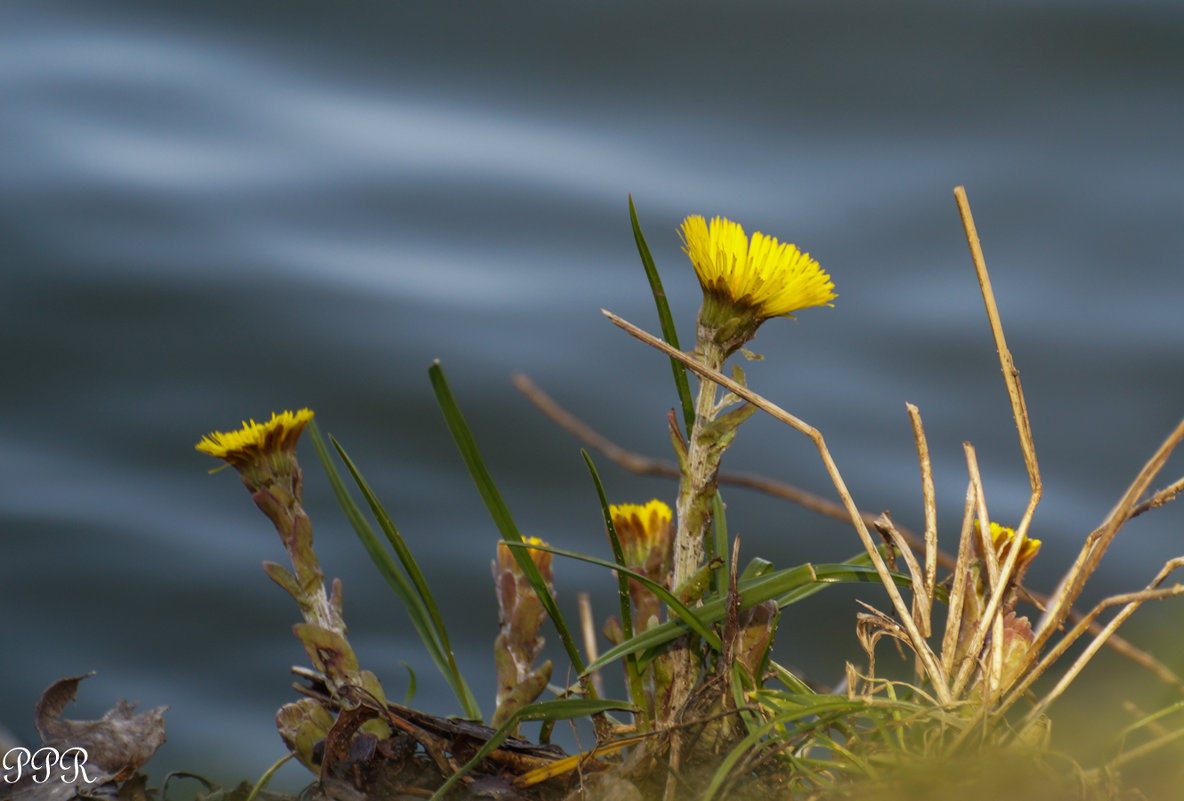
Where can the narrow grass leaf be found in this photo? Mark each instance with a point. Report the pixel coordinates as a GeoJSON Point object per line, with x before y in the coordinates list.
{"type": "Point", "coordinates": [618, 552]}
{"type": "Point", "coordinates": [424, 592]}
{"type": "Point", "coordinates": [789, 679]}
{"type": "Point", "coordinates": [571, 708]}
{"type": "Point", "coordinates": [694, 621]}
{"type": "Point", "coordinates": [560, 709]}
{"type": "Point", "coordinates": [411, 683]}
{"type": "Point", "coordinates": [632, 675]}
{"type": "Point", "coordinates": [1122, 734]}
{"type": "Point", "coordinates": [787, 585]}
{"type": "Point", "coordinates": [498, 510]}
{"type": "Point", "coordinates": [740, 682]}
{"type": "Point", "coordinates": [750, 741]}
{"type": "Point", "coordinates": [665, 319]}
{"type": "Point", "coordinates": [756, 567]}
{"type": "Point", "coordinates": [416, 610]}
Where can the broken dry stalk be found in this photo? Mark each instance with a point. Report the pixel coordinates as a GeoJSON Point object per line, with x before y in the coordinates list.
{"type": "Point", "coordinates": [922, 601]}
{"type": "Point", "coordinates": [929, 498]}
{"type": "Point", "coordinates": [1096, 544]}
{"type": "Point", "coordinates": [953, 633]}
{"type": "Point", "coordinates": [1132, 601]}
{"type": "Point", "coordinates": [1011, 376]}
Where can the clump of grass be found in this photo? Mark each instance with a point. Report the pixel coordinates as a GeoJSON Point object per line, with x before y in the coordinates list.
{"type": "Point", "coordinates": [710, 714]}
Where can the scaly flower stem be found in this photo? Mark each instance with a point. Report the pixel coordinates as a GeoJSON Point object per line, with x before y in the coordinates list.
{"type": "Point", "coordinates": [286, 512]}
{"type": "Point", "coordinates": [264, 454]}
{"type": "Point", "coordinates": [699, 480]}
{"type": "Point", "coordinates": [695, 492]}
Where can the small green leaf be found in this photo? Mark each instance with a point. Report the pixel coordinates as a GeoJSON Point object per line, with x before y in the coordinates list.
{"type": "Point", "coordinates": [411, 683]}
{"type": "Point", "coordinates": [283, 577]}
{"type": "Point", "coordinates": [756, 567]}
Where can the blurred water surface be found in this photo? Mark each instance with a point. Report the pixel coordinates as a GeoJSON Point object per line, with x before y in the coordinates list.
{"type": "Point", "coordinates": [210, 211]}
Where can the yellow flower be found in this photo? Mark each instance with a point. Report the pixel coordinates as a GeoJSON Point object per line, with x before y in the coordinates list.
{"type": "Point", "coordinates": [256, 439]}
{"type": "Point", "coordinates": [759, 275]}
{"type": "Point", "coordinates": [541, 559]}
{"type": "Point", "coordinates": [646, 535]}
{"type": "Point", "coordinates": [1002, 536]}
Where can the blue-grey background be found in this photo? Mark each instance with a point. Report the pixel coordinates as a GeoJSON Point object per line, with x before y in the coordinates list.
{"type": "Point", "coordinates": [212, 211]}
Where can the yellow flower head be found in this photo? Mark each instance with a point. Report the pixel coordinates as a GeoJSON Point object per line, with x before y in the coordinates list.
{"type": "Point", "coordinates": [1002, 536]}
{"type": "Point", "coordinates": [1001, 539]}
{"type": "Point", "coordinates": [760, 275]}
{"type": "Point", "coordinates": [541, 559]}
{"type": "Point", "coordinates": [646, 535]}
{"type": "Point", "coordinates": [255, 440]}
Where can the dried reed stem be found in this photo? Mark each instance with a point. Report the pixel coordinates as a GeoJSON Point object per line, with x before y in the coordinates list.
{"type": "Point", "coordinates": [642, 464]}
{"type": "Point", "coordinates": [1164, 738]}
{"type": "Point", "coordinates": [1011, 375]}
{"type": "Point", "coordinates": [996, 582]}
{"type": "Point", "coordinates": [924, 652]}
{"type": "Point", "coordinates": [922, 603]}
{"type": "Point", "coordinates": [922, 600]}
{"type": "Point", "coordinates": [1095, 547]}
{"type": "Point", "coordinates": [1132, 602]}
{"type": "Point", "coordinates": [1030, 676]}
{"type": "Point", "coordinates": [929, 498]}
{"type": "Point", "coordinates": [1157, 500]}
{"type": "Point", "coordinates": [588, 632]}
{"type": "Point", "coordinates": [949, 643]}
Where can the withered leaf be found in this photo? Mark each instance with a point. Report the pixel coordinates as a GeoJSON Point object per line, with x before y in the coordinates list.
{"type": "Point", "coordinates": [329, 651]}
{"type": "Point", "coordinates": [118, 743]}
{"type": "Point", "coordinates": [301, 724]}
{"type": "Point", "coordinates": [54, 790]}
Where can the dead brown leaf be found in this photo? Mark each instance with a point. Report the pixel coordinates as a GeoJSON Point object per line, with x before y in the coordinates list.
{"type": "Point", "coordinates": [118, 743]}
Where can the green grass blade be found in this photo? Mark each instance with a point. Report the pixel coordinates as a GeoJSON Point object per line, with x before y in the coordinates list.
{"type": "Point", "coordinates": [694, 621]}
{"type": "Point", "coordinates": [750, 741]}
{"type": "Point", "coordinates": [618, 552]}
{"type": "Point", "coordinates": [386, 565]}
{"type": "Point", "coordinates": [817, 713]}
{"type": "Point", "coordinates": [571, 708]}
{"type": "Point", "coordinates": [423, 591]}
{"type": "Point", "coordinates": [632, 675]}
{"type": "Point", "coordinates": [1118, 739]}
{"type": "Point", "coordinates": [861, 561]}
{"type": "Point", "coordinates": [411, 683]}
{"type": "Point", "coordinates": [784, 585]}
{"type": "Point", "coordinates": [741, 679]}
{"type": "Point", "coordinates": [498, 510]}
{"type": "Point", "coordinates": [665, 320]}
{"type": "Point", "coordinates": [561, 709]}
{"type": "Point", "coordinates": [756, 567]}
{"type": "Point", "coordinates": [789, 679]}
